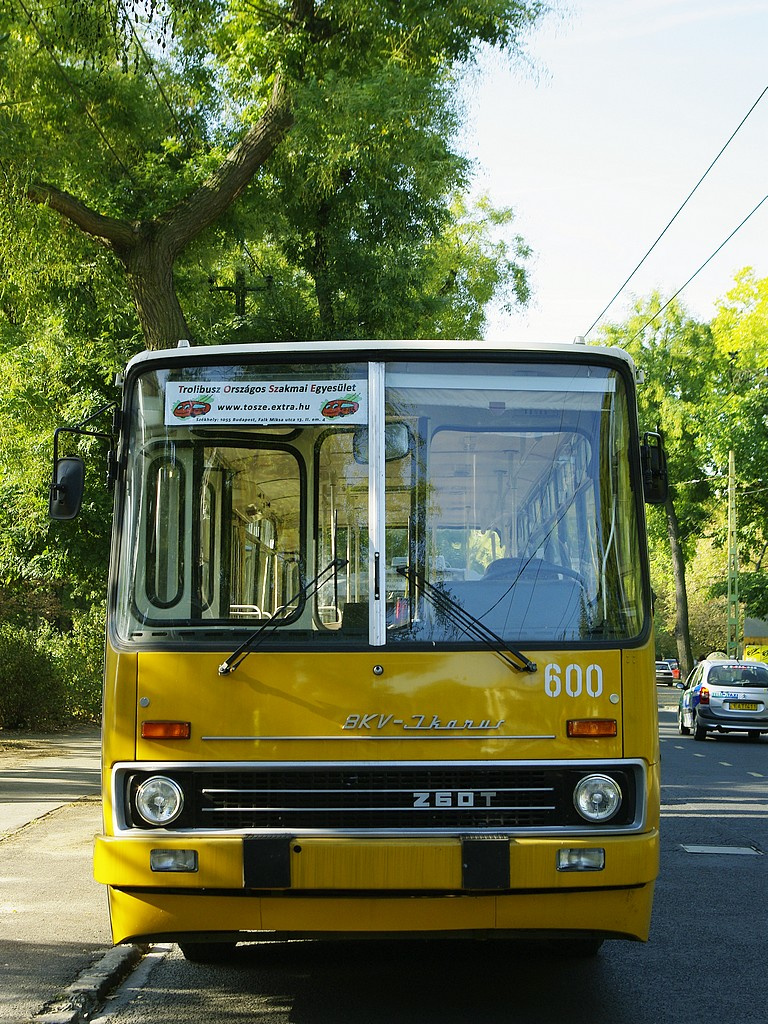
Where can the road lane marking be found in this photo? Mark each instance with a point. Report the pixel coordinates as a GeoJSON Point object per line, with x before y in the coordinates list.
{"type": "Point", "coordinates": [742, 851]}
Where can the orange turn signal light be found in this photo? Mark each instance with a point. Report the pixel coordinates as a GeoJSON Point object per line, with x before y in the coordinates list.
{"type": "Point", "coordinates": [166, 730]}
{"type": "Point", "coordinates": [592, 727]}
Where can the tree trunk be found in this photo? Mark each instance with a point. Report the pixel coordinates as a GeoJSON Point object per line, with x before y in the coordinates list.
{"type": "Point", "coordinates": [323, 290]}
{"type": "Point", "coordinates": [149, 273]}
{"type": "Point", "coordinates": [682, 632]}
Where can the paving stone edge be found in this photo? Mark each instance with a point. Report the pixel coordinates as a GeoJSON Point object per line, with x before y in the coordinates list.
{"type": "Point", "coordinates": [79, 1000]}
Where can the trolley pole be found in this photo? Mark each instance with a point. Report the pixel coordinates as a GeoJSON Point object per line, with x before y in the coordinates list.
{"type": "Point", "coordinates": [733, 645]}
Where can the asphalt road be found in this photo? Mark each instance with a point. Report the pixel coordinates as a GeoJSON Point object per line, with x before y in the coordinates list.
{"type": "Point", "coordinates": [705, 957]}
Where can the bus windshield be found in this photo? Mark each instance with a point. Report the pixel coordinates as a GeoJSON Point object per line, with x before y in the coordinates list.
{"type": "Point", "coordinates": [504, 489]}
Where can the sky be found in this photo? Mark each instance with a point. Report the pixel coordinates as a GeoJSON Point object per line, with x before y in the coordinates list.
{"type": "Point", "coordinates": [597, 141]}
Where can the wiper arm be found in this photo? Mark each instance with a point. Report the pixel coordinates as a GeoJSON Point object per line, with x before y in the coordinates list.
{"type": "Point", "coordinates": [237, 657]}
{"type": "Point", "coordinates": [467, 622]}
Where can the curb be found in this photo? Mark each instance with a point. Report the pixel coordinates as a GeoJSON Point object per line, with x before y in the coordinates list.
{"type": "Point", "coordinates": [79, 1000]}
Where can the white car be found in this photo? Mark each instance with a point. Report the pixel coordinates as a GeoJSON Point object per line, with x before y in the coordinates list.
{"type": "Point", "coordinates": [725, 696]}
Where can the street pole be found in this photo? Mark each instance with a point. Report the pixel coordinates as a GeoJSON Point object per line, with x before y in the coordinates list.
{"type": "Point", "coordinates": [733, 645]}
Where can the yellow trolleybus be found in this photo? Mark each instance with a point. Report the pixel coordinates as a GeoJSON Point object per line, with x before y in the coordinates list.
{"type": "Point", "coordinates": [380, 653]}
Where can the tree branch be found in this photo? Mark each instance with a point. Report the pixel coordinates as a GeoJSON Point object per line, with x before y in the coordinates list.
{"type": "Point", "coordinates": [114, 233]}
{"type": "Point", "coordinates": [187, 219]}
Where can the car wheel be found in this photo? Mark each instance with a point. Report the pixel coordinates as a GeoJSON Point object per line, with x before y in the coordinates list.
{"type": "Point", "coordinates": [681, 727]}
{"type": "Point", "coordinates": [699, 732]}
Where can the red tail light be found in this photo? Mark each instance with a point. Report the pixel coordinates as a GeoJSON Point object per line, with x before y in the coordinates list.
{"type": "Point", "coordinates": [704, 695]}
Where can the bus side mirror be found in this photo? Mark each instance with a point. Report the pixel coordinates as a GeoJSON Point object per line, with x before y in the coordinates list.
{"type": "Point", "coordinates": [67, 487]}
{"type": "Point", "coordinates": [653, 460]}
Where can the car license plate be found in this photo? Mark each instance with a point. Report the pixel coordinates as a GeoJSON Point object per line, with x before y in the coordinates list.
{"type": "Point", "coordinates": [743, 705]}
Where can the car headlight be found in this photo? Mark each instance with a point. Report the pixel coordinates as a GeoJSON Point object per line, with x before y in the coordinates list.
{"type": "Point", "coordinates": [597, 797]}
{"type": "Point", "coordinates": [159, 800]}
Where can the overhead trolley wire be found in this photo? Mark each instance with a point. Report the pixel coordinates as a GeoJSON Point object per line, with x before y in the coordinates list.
{"type": "Point", "coordinates": [697, 272]}
{"type": "Point", "coordinates": [677, 214]}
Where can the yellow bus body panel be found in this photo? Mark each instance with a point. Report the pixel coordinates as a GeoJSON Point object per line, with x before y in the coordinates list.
{"type": "Point", "coordinates": [379, 705]}
{"type": "Point", "coordinates": [617, 913]}
{"type": "Point", "coordinates": [368, 706]}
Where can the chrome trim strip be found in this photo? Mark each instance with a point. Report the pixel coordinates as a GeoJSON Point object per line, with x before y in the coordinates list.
{"type": "Point", "coordinates": [354, 810]}
{"type": "Point", "coordinates": [597, 834]}
{"type": "Point", "coordinates": [180, 764]}
{"type": "Point", "coordinates": [364, 736]}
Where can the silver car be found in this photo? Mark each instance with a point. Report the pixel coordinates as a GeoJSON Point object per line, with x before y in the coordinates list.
{"type": "Point", "coordinates": [664, 674]}
{"type": "Point", "coordinates": [725, 696]}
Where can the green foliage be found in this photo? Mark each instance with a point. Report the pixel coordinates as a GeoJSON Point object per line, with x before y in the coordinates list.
{"type": "Point", "coordinates": [753, 592]}
{"type": "Point", "coordinates": [124, 110]}
{"type": "Point", "coordinates": [356, 227]}
{"type": "Point", "coordinates": [740, 332]}
{"type": "Point", "coordinates": [707, 612]}
{"type": "Point", "coordinates": [707, 387]}
{"type": "Point", "coordinates": [49, 677]}
{"type": "Point", "coordinates": [678, 360]}
{"type": "Point", "coordinates": [51, 377]}
{"type": "Point", "coordinates": [78, 657]}
{"type": "Point", "coordinates": [680, 363]}
{"type": "Point", "coordinates": [32, 694]}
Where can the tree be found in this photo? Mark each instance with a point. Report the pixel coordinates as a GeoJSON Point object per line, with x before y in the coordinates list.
{"type": "Point", "coordinates": [46, 573]}
{"type": "Point", "coordinates": [740, 332]}
{"type": "Point", "coordinates": [182, 109]}
{"type": "Point", "coordinates": [680, 362]}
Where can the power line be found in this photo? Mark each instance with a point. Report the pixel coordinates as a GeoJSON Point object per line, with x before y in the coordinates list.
{"type": "Point", "coordinates": [697, 272]}
{"type": "Point", "coordinates": [677, 213]}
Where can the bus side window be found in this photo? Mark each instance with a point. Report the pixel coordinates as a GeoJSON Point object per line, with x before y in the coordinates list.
{"type": "Point", "coordinates": [165, 533]}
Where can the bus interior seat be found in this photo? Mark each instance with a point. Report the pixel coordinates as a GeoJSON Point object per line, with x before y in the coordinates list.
{"type": "Point", "coordinates": [512, 568]}
{"type": "Point", "coordinates": [547, 609]}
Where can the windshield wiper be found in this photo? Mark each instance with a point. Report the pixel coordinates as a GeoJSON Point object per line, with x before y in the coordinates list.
{"type": "Point", "coordinates": [467, 622]}
{"type": "Point", "coordinates": [237, 657]}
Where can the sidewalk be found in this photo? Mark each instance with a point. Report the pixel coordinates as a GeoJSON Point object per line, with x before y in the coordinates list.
{"type": "Point", "coordinates": [53, 916]}
{"type": "Point", "coordinates": [42, 771]}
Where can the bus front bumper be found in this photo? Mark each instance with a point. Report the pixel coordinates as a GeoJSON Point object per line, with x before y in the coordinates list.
{"type": "Point", "coordinates": [231, 884]}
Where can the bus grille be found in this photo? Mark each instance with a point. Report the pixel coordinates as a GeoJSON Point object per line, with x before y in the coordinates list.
{"type": "Point", "coordinates": [387, 797]}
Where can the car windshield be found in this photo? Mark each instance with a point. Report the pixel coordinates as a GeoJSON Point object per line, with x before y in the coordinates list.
{"type": "Point", "coordinates": [739, 675]}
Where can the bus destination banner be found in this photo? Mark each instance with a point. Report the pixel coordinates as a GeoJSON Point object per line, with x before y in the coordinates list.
{"type": "Point", "coordinates": [266, 403]}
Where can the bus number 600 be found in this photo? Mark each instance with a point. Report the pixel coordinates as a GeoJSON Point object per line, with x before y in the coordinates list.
{"type": "Point", "coordinates": [575, 679]}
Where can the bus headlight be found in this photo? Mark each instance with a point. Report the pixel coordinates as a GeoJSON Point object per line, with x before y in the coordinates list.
{"type": "Point", "coordinates": [159, 800]}
{"type": "Point", "coordinates": [597, 797]}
